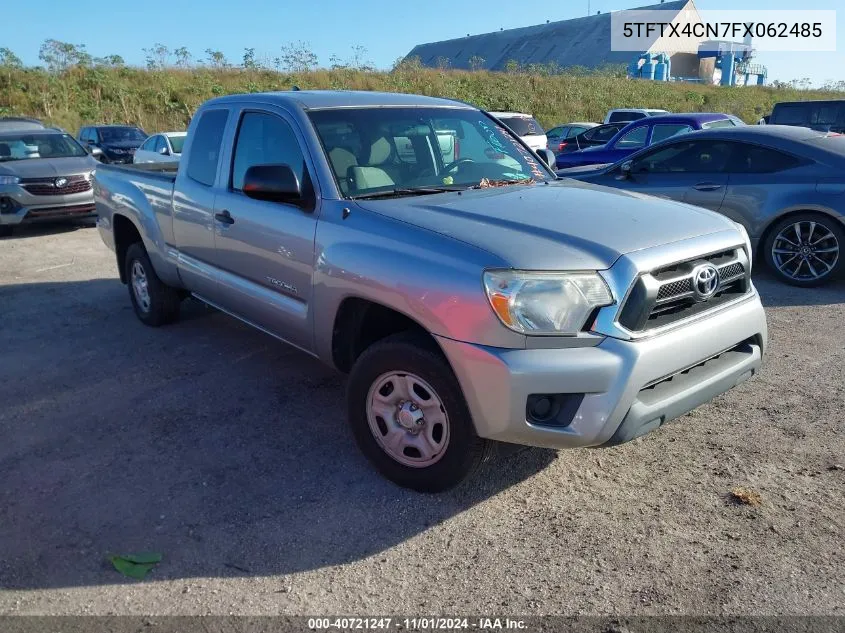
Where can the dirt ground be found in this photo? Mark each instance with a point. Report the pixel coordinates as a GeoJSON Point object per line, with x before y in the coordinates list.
{"type": "Point", "coordinates": [228, 453]}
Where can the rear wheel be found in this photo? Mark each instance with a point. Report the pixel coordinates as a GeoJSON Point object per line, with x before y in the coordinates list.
{"type": "Point", "coordinates": [409, 416]}
{"type": "Point", "coordinates": [154, 302]}
{"type": "Point", "coordinates": [805, 249]}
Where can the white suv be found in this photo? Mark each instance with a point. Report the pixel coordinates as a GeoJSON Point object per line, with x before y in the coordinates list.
{"type": "Point", "coordinates": [631, 114]}
{"type": "Point", "coordinates": [525, 127]}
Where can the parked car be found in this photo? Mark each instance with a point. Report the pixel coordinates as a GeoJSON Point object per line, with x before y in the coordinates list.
{"type": "Point", "coordinates": [164, 147]}
{"type": "Point", "coordinates": [559, 137]}
{"type": "Point", "coordinates": [474, 301]}
{"type": "Point", "coordinates": [9, 123]}
{"type": "Point", "coordinates": [643, 133]}
{"type": "Point", "coordinates": [786, 185]}
{"type": "Point", "coordinates": [826, 116]}
{"type": "Point", "coordinates": [117, 142]}
{"type": "Point", "coordinates": [524, 126]}
{"type": "Point", "coordinates": [598, 135]}
{"type": "Point", "coordinates": [626, 115]}
{"type": "Point", "coordinates": [44, 175]}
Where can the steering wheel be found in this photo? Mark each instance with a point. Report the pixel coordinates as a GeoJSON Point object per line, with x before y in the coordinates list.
{"type": "Point", "coordinates": [455, 163]}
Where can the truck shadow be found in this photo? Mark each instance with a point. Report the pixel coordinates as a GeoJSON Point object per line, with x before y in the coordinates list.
{"type": "Point", "coordinates": [206, 441]}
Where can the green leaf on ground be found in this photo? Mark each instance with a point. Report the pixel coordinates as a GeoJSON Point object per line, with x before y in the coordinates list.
{"type": "Point", "coordinates": [135, 565]}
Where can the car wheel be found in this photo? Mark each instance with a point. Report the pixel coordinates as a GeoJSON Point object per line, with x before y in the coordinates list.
{"type": "Point", "coordinates": [409, 416]}
{"type": "Point", "coordinates": [806, 249]}
{"type": "Point", "coordinates": [155, 303]}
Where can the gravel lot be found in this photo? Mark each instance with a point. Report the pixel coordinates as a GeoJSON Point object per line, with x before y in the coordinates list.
{"type": "Point", "coordinates": [228, 453]}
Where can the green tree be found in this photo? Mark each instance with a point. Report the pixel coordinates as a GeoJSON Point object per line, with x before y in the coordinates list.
{"type": "Point", "coordinates": [476, 62]}
{"type": "Point", "coordinates": [157, 57]}
{"type": "Point", "coordinates": [58, 56]}
{"type": "Point", "coordinates": [183, 57]}
{"type": "Point", "coordinates": [298, 57]}
{"type": "Point", "coordinates": [8, 59]}
{"type": "Point", "coordinates": [216, 59]}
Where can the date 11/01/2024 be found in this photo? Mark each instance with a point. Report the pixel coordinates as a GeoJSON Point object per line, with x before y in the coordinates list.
{"type": "Point", "coordinates": [416, 624]}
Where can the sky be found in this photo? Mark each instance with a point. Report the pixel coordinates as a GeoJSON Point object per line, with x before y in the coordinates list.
{"type": "Point", "coordinates": [387, 29]}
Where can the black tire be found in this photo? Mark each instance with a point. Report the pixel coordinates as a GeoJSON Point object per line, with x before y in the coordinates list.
{"type": "Point", "coordinates": [464, 452]}
{"type": "Point", "coordinates": [786, 272]}
{"type": "Point", "coordinates": [6, 230]}
{"type": "Point", "coordinates": [164, 301]}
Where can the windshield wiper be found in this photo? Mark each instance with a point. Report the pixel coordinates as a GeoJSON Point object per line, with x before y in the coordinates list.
{"type": "Point", "coordinates": [400, 191]}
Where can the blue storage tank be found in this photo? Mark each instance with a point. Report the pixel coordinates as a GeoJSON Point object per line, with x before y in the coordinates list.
{"type": "Point", "coordinates": [649, 68]}
{"type": "Point", "coordinates": [727, 62]}
{"type": "Point", "coordinates": [661, 70]}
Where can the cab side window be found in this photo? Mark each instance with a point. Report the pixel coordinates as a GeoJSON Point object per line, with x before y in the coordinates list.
{"type": "Point", "coordinates": [205, 149]}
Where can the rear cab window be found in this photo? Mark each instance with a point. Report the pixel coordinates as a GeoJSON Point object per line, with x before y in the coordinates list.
{"type": "Point", "coordinates": [523, 126]}
{"type": "Point", "coordinates": [205, 149]}
{"type": "Point", "coordinates": [719, 123]}
{"type": "Point", "coordinates": [621, 117]}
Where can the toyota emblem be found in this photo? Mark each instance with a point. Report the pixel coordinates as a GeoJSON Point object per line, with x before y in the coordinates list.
{"type": "Point", "coordinates": [705, 281]}
{"type": "Point", "coordinates": [60, 182]}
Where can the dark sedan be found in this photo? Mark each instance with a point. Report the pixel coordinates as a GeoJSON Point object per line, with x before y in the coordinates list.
{"type": "Point", "coordinates": [643, 133]}
{"type": "Point", "coordinates": [117, 142]}
{"type": "Point", "coordinates": [785, 185]}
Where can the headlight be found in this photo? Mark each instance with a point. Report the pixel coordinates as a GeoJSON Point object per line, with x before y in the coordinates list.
{"type": "Point", "coordinates": [9, 180]}
{"type": "Point", "coordinates": [545, 302]}
{"type": "Point", "coordinates": [747, 243]}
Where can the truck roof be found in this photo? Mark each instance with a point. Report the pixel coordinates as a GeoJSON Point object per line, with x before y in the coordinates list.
{"type": "Point", "coordinates": [324, 99]}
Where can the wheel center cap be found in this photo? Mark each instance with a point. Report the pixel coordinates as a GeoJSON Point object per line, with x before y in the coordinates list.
{"type": "Point", "coordinates": [806, 250]}
{"type": "Point", "coordinates": [410, 416]}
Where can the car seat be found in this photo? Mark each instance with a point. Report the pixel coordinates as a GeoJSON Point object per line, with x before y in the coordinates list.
{"type": "Point", "coordinates": [375, 173]}
{"type": "Point", "coordinates": [342, 160]}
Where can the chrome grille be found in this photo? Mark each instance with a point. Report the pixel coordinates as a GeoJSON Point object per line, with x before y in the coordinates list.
{"type": "Point", "coordinates": [47, 186]}
{"type": "Point", "coordinates": [666, 295]}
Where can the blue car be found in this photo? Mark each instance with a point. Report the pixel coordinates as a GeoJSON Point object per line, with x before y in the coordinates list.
{"type": "Point", "coordinates": [639, 134]}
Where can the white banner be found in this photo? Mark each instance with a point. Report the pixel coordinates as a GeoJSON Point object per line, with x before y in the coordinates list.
{"type": "Point", "coordinates": [660, 30]}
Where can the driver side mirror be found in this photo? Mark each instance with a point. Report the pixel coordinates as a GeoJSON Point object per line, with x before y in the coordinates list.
{"type": "Point", "coordinates": [274, 183]}
{"type": "Point", "coordinates": [96, 152]}
{"type": "Point", "coordinates": [547, 156]}
{"type": "Point", "coordinates": [625, 170]}
{"type": "Point", "coordinates": [164, 151]}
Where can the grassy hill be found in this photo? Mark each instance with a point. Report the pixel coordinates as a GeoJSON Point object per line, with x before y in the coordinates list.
{"type": "Point", "coordinates": [166, 99]}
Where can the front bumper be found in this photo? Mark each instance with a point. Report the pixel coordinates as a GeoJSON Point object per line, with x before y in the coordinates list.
{"type": "Point", "coordinates": [628, 387]}
{"type": "Point", "coordinates": [26, 207]}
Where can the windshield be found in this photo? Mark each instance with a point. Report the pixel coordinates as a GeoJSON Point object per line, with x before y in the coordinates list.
{"type": "Point", "coordinates": [25, 146]}
{"type": "Point", "coordinates": [118, 134]}
{"type": "Point", "coordinates": [373, 150]}
{"type": "Point", "coordinates": [522, 125]}
{"type": "Point", "coordinates": [176, 142]}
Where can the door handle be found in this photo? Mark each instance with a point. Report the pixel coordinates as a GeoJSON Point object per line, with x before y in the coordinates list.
{"type": "Point", "coordinates": [707, 186]}
{"type": "Point", "coordinates": [225, 217]}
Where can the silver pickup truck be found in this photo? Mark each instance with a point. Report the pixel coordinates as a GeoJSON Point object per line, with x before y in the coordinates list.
{"type": "Point", "coordinates": [471, 301]}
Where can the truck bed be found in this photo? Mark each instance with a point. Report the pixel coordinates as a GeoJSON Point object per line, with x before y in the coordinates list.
{"type": "Point", "coordinates": [158, 171]}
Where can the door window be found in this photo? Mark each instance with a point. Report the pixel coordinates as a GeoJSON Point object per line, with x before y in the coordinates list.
{"type": "Point", "coordinates": [633, 139]}
{"type": "Point", "coordinates": [160, 144]}
{"type": "Point", "coordinates": [205, 150]}
{"type": "Point", "coordinates": [574, 131]}
{"type": "Point", "coordinates": [666, 130]}
{"type": "Point", "coordinates": [699, 157]}
{"type": "Point", "coordinates": [266, 139]}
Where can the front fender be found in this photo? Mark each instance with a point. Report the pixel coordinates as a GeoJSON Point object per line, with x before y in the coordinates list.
{"type": "Point", "coordinates": [434, 280]}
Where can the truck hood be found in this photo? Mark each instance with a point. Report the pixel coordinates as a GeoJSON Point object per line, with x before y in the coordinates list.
{"type": "Point", "coordinates": [567, 225]}
{"type": "Point", "coordinates": [47, 167]}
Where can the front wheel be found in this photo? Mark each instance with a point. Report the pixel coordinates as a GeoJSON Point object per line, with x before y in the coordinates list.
{"type": "Point", "coordinates": [805, 250]}
{"type": "Point", "coordinates": [409, 416]}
